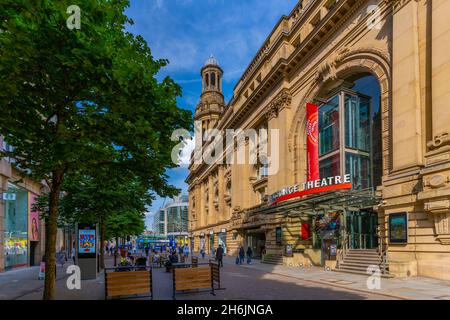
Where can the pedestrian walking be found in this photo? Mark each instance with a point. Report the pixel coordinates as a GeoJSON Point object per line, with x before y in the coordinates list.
{"type": "Point", "coordinates": [219, 255]}
{"type": "Point", "coordinates": [186, 251]}
{"type": "Point", "coordinates": [61, 257]}
{"type": "Point", "coordinates": [202, 252]}
{"type": "Point", "coordinates": [73, 254]}
{"type": "Point", "coordinates": [249, 255]}
{"type": "Point", "coordinates": [241, 255]}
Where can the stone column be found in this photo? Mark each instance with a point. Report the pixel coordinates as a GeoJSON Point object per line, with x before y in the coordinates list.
{"type": "Point", "coordinates": [406, 99]}
{"type": "Point", "coordinates": [211, 216]}
{"type": "Point", "coordinates": [202, 205]}
{"type": "Point", "coordinates": [278, 114]}
{"type": "Point", "coordinates": [440, 73]}
{"type": "Point", "coordinates": [221, 186]}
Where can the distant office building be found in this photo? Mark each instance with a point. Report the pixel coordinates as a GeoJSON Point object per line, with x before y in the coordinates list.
{"type": "Point", "coordinates": [159, 223]}
{"type": "Point", "coordinates": [172, 220]}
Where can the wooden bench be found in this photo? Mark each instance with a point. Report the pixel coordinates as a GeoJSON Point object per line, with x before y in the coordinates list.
{"type": "Point", "coordinates": [189, 279]}
{"type": "Point", "coordinates": [128, 284]}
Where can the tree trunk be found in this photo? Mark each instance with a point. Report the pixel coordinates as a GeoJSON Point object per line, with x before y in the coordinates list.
{"type": "Point", "coordinates": [50, 236]}
{"type": "Point", "coordinates": [102, 243]}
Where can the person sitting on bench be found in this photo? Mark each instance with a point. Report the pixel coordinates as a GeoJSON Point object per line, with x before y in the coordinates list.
{"type": "Point", "coordinates": [172, 259]}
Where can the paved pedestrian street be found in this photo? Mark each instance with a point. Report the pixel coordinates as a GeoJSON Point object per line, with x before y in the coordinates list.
{"type": "Point", "coordinates": [241, 282]}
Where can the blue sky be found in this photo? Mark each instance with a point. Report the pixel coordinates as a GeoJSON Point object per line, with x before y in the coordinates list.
{"type": "Point", "coordinates": [187, 32]}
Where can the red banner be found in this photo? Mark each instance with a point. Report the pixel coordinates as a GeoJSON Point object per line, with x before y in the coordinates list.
{"type": "Point", "coordinates": [312, 131]}
{"type": "Point", "coordinates": [306, 231]}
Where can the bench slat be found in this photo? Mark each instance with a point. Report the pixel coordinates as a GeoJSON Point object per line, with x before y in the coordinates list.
{"type": "Point", "coordinates": [127, 292]}
{"type": "Point", "coordinates": [128, 274]}
{"type": "Point", "coordinates": [128, 281]}
{"type": "Point", "coordinates": [115, 286]}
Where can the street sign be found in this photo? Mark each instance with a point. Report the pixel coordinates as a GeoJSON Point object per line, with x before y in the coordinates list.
{"type": "Point", "coordinates": [9, 196]}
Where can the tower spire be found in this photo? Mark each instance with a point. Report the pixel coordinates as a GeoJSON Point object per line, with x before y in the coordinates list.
{"type": "Point", "coordinates": [212, 102]}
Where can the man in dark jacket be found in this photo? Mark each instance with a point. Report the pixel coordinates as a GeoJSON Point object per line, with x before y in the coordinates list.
{"type": "Point", "coordinates": [249, 255]}
{"type": "Point", "coordinates": [219, 255]}
{"type": "Point", "coordinates": [241, 255]}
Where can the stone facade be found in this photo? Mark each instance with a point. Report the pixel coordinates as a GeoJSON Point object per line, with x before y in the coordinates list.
{"type": "Point", "coordinates": [318, 47]}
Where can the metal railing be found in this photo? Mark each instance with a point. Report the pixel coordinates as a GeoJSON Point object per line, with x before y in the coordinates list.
{"type": "Point", "coordinates": [382, 250]}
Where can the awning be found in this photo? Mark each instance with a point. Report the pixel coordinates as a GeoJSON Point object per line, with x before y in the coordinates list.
{"type": "Point", "coordinates": [349, 200]}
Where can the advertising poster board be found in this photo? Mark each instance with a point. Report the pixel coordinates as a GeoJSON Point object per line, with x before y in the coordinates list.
{"type": "Point", "coordinates": [33, 223]}
{"type": "Point", "coordinates": [398, 228]}
{"type": "Point", "coordinates": [87, 241]}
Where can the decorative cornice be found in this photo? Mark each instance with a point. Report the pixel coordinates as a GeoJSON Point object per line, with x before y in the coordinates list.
{"type": "Point", "coordinates": [397, 4]}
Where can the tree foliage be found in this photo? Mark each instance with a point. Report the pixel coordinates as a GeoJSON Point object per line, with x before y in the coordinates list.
{"type": "Point", "coordinates": [75, 99]}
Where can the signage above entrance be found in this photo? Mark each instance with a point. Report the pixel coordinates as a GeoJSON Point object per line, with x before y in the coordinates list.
{"type": "Point", "coordinates": [9, 196]}
{"type": "Point", "coordinates": [312, 187]}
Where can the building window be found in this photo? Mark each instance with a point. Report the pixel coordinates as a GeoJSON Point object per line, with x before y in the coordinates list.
{"type": "Point", "coordinates": [263, 171]}
{"type": "Point", "coordinates": [350, 135]}
{"type": "Point", "coordinates": [213, 79]}
{"type": "Point", "coordinates": [329, 126]}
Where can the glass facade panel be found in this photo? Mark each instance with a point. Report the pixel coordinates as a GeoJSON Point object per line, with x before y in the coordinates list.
{"type": "Point", "coordinates": [329, 126]}
{"type": "Point", "coordinates": [222, 240]}
{"type": "Point", "coordinates": [16, 228]}
{"type": "Point", "coordinates": [357, 123]}
{"type": "Point", "coordinates": [358, 166]}
{"type": "Point", "coordinates": [330, 166]}
{"type": "Point", "coordinates": [177, 219]}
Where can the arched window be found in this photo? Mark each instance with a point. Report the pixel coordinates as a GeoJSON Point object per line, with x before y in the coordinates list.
{"type": "Point", "coordinates": [207, 80]}
{"type": "Point", "coordinates": [213, 79]}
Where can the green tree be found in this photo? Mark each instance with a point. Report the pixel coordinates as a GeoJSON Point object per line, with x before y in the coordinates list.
{"type": "Point", "coordinates": [101, 195]}
{"type": "Point", "coordinates": [73, 99]}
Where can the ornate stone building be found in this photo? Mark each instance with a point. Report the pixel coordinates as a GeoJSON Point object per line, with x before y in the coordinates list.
{"type": "Point", "coordinates": [379, 72]}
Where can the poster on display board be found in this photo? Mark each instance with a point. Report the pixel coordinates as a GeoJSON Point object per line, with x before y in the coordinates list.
{"type": "Point", "coordinates": [33, 223]}
{"type": "Point", "coordinates": [86, 241]}
{"type": "Point", "coordinates": [398, 228]}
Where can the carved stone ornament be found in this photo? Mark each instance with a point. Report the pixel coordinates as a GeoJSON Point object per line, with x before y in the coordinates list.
{"type": "Point", "coordinates": [439, 140]}
{"type": "Point", "coordinates": [327, 71]}
{"type": "Point", "coordinates": [282, 100]}
{"type": "Point", "coordinates": [437, 181]}
{"type": "Point", "coordinates": [439, 212]}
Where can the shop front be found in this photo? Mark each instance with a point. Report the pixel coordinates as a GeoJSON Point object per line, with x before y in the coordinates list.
{"type": "Point", "coordinates": [256, 240]}
{"type": "Point", "coordinates": [222, 240]}
{"type": "Point", "coordinates": [202, 243]}
{"type": "Point", "coordinates": [16, 227]}
{"type": "Point", "coordinates": [211, 242]}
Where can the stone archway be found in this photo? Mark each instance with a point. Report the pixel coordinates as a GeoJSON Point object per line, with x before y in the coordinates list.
{"type": "Point", "coordinates": [344, 65]}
